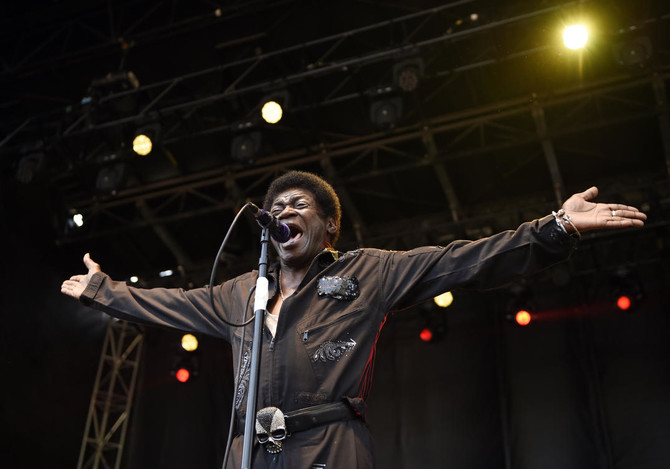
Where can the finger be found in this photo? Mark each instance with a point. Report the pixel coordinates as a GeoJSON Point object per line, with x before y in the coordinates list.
{"type": "Point", "coordinates": [77, 278]}
{"type": "Point", "coordinates": [624, 211]}
{"type": "Point", "coordinates": [623, 207]}
{"type": "Point", "coordinates": [625, 223]}
{"type": "Point", "coordinates": [90, 264]}
{"type": "Point", "coordinates": [589, 194]}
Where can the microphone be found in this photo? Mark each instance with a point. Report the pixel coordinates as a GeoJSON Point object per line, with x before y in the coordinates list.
{"type": "Point", "coordinates": [278, 230]}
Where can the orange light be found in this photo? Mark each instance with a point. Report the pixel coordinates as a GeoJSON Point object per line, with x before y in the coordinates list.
{"type": "Point", "coordinates": [624, 303]}
{"type": "Point", "coordinates": [426, 335]}
{"type": "Point", "coordinates": [182, 375]}
{"type": "Point", "coordinates": [523, 318]}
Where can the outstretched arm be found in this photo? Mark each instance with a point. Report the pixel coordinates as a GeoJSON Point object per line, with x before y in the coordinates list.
{"type": "Point", "coordinates": [587, 215]}
{"type": "Point", "coordinates": [76, 285]}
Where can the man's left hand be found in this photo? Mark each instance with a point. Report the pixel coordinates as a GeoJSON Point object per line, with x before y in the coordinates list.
{"type": "Point", "coordinates": [588, 215]}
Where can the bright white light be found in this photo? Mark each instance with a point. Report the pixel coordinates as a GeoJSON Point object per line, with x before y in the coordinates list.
{"type": "Point", "coordinates": [142, 145]}
{"type": "Point", "coordinates": [166, 273]}
{"type": "Point", "coordinates": [575, 36]}
{"type": "Point", "coordinates": [134, 279]}
{"type": "Point", "coordinates": [474, 16]}
{"type": "Point", "coordinates": [189, 342]}
{"type": "Point", "coordinates": [444, 300]}
{"type": "Point", "coordinates": [78, 219]}
{"type": "Point", "coordinates": [271, 112]}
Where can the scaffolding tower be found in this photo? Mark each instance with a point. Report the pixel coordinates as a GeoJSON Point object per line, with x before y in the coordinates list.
{"type": "Point", "coordinates": [112, 398]}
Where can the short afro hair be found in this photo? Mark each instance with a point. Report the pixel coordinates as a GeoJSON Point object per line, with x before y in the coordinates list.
{"type": "Point", "coordinates": [326, 199]}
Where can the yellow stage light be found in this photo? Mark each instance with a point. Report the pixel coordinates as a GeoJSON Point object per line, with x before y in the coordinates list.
{"type": "Point", "coordinates": [189, 342]}
{"type": "Point", "coordinates": [272, 112]}
{"type": "Point", "coordinates": [142, 145]}
{"type": "Point", "coordinates": [444, 300]}
{"type": "Point", "coordinates": [575, 36]}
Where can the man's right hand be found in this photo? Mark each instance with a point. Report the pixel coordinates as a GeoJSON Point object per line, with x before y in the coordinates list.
{"type": "Point", "coordinates": [78, 283]}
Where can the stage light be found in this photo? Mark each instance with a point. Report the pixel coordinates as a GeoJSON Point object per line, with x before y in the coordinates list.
{"type": "Point", "coordinates": [142, 144]}
{"type": "Point", "coordinates": [385, 113]}
{"type": "Point", "coordinates": [78, 219]}
{"type": "Point", "coordinates": [166, 273]}
{"type": "Point", "coordinates": [634, 53]}
{"type": "Point", "coordinates": [111, 178]}
{"type": "Point", "coordinates": [246, 147]}
{"type": "Point", "coordinates": [408, 73]}
{"type": "Point", "coordinates": [627, 292]}
{"type": "Point", "coordinates": [624, 303]}
{"type": "Point", "coordinates": [444, 300]}
{"type": "Point", "coordinates": [523, 318]}
{"type": "Point", "coordinates": [134, 279]}
{"type": "Point", "coordinates": [182, 375]}
{"type": "Point", "coordinates": [426, 334]}
{"type": "Point", "coordinates": [575, 36]}
{"type": "Point", "coordinates": [189, 342]}
{"type": "Point", "coordinates": [272, 112]}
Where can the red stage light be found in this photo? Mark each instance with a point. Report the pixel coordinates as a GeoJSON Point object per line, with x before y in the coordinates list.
{"type": "Point", "coordinates": [426, 335]}
{"type": "Point", "coordinates": [624, 303]}
{"type": "Point", "coordinates": [523, 318]}
{"type": "Point", "coordinates": [182, 375]}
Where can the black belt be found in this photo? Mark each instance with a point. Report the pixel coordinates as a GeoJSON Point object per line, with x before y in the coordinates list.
{"type": "Point", "coordinates": [322, 414]}
{"type": "Point", "coordinates": [273, 426]}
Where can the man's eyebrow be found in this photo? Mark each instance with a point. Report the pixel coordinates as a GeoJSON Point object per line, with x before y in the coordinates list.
{"type": "Point", "coordinates": [291, 199]}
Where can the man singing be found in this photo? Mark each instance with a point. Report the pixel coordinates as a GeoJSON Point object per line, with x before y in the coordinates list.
{"type": "Point", "coordinates": [326, 310]}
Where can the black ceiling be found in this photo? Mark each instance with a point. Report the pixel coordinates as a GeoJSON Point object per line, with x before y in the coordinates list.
{"type": "Point", "coordinates": [504, 122]}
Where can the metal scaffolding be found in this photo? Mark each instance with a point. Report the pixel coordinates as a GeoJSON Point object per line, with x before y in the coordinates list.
{"type": "Point", "coordinates": [112, 398]}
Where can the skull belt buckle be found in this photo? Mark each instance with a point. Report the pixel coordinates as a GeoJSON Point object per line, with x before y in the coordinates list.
{"type": "Point", "coordinates": [271, 429]}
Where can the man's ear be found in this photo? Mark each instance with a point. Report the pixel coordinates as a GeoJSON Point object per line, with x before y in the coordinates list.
{"type": "Point", "coordinates": [331, 226]}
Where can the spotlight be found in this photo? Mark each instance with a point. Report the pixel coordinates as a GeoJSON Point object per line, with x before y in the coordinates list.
{"type": "Point", "coordinates": [142, 144]}
{"type": "Point", "coordinates": [575, 36]}
{"type": "Point", "coordinates": [274, 105]}
{"type": "Point", "coordinates": [523, 317]}
{"type": "Point", "coordinates": [78, 219]}
{"type": "Point", "coordinates": [145, 139]}
{"type": "Point", "coordinates": [624, 302]}
{"type": "Point", "coordinates": [182, 375]}
{"type": "Point", "coordinates": [444, 300]}
{"type": "Point", "coordinates": [245, 148]}
{"type": "Point", "coordinates": [407, 74]}
{"type": "Point", "coordinates": [134, 279]}
{"type": "Point", "coordinates": [186, 361]}
{"type": "Point", "coordinates": [30, 167]}
{"type": "Point", "coordinates": [272, 112]}
{"type": "Point", "coordinates": [189, 342]}
{"type": "Point", "coordinates": [627, 292]}
{"type": "Point", "coordinates": [434, 325]}
{"type": "Point", "coordinates": [633, 53]}
{"type": "Point", "coordinates": [385, 113]}
{"type": "Point", "coordinates": [111, 178]}
{"type": "Point", "coordinates": [166, 273]}
{"type": "Point", "coordinates": [520, 307]}
{"type": "Point", "coordinates": [426, 334]}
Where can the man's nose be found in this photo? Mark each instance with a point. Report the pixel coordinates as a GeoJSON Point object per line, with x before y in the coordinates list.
{"type": "Point", "coordinates": [286, 212]}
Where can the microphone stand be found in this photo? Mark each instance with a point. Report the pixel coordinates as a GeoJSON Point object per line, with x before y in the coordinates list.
{"type": "Point", "coordinates": [260, 307]}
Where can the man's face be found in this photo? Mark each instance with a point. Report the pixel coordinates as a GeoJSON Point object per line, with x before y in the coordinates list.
{"type": "Point", "coordinates": [309, 231]}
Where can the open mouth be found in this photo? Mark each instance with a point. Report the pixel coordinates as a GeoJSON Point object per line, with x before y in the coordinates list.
{"type": "Point", "coordinates": [295, 233]}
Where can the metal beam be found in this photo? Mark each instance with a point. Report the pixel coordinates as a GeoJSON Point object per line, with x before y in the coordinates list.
{"type": "Point", "coordinates": [549, 152]}
{"type": "Point", "coordinates": [441, 172]}
{"type": "Point", "coordinates": [112, 398]}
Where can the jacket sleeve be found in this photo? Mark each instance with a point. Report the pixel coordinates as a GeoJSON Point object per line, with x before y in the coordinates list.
{"type": "Point", "coordinates": [188, 310]}
{"type": "Point", "coordinates": [410, 277]}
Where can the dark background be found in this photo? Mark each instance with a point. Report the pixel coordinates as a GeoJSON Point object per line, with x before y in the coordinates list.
{"type": "Point", "coordinates": [504, 124]}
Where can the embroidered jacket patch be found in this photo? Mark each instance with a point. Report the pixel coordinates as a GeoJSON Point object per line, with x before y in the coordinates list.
{"type": "Point", "coordinates": [343, 287]}
{"type": "Point", "coordinates": [333, 350]}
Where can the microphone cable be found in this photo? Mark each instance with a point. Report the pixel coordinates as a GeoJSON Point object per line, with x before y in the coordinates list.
{"type": "Point", "coordinates": [216, 262]}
